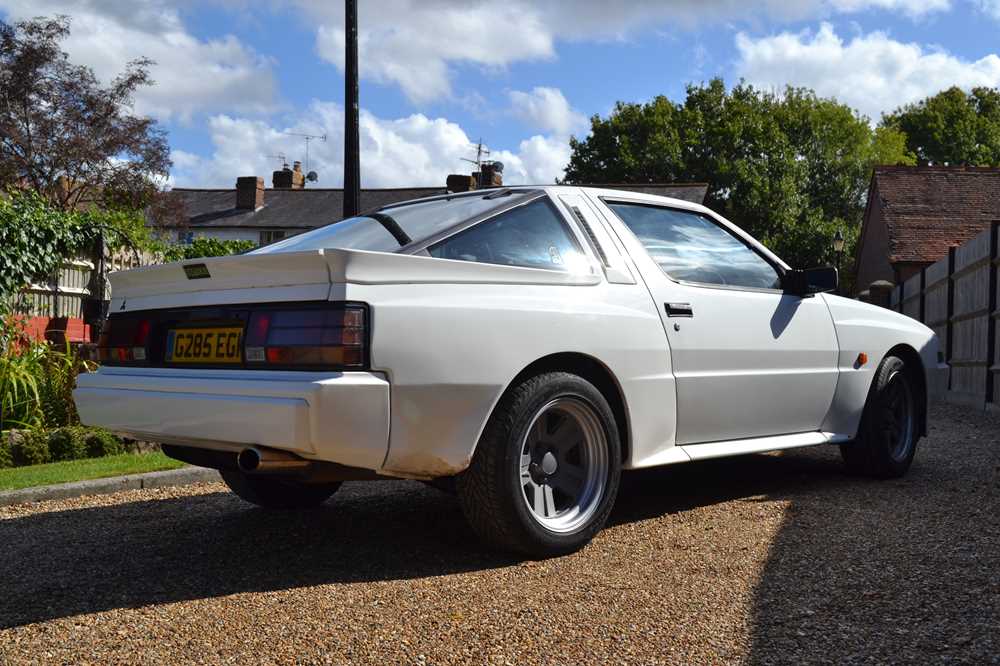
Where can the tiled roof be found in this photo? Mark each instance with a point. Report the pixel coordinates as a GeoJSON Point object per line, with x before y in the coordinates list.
{"type": "Point", "coordinates": [928, 209]}
{"type": "Point", "coordinates": [313, 207]}
{"type": "Point", "coordinates": [285, 209]}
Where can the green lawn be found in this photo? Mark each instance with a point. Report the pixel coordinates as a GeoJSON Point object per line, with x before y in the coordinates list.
{"type": "Point", "coordinates": [80, 470]}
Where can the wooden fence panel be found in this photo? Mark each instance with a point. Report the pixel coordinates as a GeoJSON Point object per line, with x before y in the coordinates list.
{"type": "Point", "coordinates": [958, 297]}
{"type": "Point", "coordinates": [122, 259]}
{"type": "Point", "coordinates": [969, 318]}
{"type": "Point", "coordinates": [62, 296]}
{"type": "Point", "coordinates": [936, 282]}
{"type": "Point", "coordinates": [993, 369]}
{"type": "Point", "coordinates": [911, 297]}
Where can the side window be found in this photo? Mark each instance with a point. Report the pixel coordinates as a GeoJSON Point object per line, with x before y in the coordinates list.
{"type": "Point", "coordinates": [533, 236]}
{"type": "Point", "coordinates": [693, 248]}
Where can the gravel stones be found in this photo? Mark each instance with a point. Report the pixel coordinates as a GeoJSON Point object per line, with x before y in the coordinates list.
{"type": "Point", "coordinates": [778, 558]}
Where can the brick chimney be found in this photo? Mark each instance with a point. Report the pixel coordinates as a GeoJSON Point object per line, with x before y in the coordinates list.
{"type": "Point", "coordinates": [491, 175]}
{"type": "Point", "coordinates": [249, 192]}
{"type": "Point", "coordinates": [289, 179]}
{"type": "Point", "coordinates": [457, 182]}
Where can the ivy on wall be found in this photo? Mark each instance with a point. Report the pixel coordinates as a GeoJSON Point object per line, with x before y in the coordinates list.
{"type": "Point", "coordinates": [36, 237]}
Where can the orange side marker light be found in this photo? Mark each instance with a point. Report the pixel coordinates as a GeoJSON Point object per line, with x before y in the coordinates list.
{"type": "Point", "coordinates": [862, 359]}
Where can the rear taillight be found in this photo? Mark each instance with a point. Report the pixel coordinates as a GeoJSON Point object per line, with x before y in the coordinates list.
{"type": "Point", "coordinates": [315, 337]}
{"type": "Point", "coordinates": [124, 340]}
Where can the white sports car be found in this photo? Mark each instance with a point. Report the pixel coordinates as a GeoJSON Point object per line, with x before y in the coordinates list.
{"type": "Point", "coordinates": [522, 344]}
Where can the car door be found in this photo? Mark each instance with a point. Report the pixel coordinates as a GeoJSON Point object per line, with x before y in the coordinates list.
{"type": "Point", "coordinates": [748, 359]}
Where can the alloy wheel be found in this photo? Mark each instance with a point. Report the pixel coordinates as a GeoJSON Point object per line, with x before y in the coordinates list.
{"type": "Point", "coordinates": [564, 464]}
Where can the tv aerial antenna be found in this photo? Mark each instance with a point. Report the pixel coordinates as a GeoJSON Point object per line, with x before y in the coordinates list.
{"type": "Point", "coordinates": [279, 156]}
{"type": "Point", "coordinates": [481, 152]}
{"type": "Point", "coordinates": [308, 138]}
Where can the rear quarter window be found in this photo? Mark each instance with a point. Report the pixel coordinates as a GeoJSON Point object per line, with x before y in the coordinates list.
{"type": "Point", "coordinates": [530, 236]}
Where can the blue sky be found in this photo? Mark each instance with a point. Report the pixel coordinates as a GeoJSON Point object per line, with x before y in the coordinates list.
{"type": "Point", "coordinates": [233, 76]}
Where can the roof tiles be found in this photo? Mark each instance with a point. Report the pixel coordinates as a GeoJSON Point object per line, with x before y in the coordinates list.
{"type": "Point", "coordinates": [928, 209]}
{"type": "Point", "coordinates": [313, 207]}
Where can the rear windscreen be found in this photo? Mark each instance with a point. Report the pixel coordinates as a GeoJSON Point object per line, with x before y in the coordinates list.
{"type": "Point", "coordinates": [395, 226]}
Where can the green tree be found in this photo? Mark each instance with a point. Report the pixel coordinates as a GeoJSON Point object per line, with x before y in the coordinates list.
{"type": "Point", "coordinates": [789, 168]}
{"type": "Point", "coordinates": [952, 127]}
{"type": "Point", "coordinates": [66, 135]}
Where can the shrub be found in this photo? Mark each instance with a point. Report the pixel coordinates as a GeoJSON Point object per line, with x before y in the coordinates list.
{"type": "Point", "coordinates": [30, 448]}
{"type": "Point", "coordinates": [103, 443]}
{"type": "Point", "coordinates": [67, 444]}
{"type": "Point", "coordinates": [56, 381]}
{"type": "Point", "coordinates": [37, 380]}
{"type": "Point", "coordinates": [20, 369]}
{"type": "Point", "coordinates": [5, 457]}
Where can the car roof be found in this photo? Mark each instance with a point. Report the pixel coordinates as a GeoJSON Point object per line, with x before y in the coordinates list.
{"type": "Point", "coordinates": [555, 190]}
{"type": "Point", "coordinates": [624, 194]}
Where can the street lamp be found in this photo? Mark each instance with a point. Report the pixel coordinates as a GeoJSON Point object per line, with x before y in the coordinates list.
{"type": "Point", "coordinates": [838, 248]}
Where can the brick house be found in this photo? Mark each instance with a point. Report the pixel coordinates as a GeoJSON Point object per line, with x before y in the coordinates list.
{"type": "Point", "coordinates": [914, 214]}
{"type": "Point", "coordinates": [263, 215]}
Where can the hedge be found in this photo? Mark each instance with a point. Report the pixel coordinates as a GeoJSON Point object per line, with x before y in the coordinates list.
{"type": "Point", "coordinates": [35, 447]}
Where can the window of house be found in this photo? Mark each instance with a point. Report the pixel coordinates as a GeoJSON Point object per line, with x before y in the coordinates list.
{"type": "Point", "coordinates": [271, 236]}
{"type": "Point", "coordinates": [691, 247]}
{"type": "Point", "coordinates": [531, 236]}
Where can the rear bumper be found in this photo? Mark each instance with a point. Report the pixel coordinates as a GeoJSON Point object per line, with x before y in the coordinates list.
{"type": "Point", "coordinates": [337, 417]}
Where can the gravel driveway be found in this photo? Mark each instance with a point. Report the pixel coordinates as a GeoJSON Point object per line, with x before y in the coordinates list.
{"type": "Point", "coordinates": [778, 558]}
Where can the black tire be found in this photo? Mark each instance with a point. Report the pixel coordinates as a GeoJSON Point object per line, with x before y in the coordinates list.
{"type": "Point", "coordinates": [492, 492]}
{"type": "Point", "coordinates": [885, 446]}
{"type": "Point", "coordinates": [275, 493]}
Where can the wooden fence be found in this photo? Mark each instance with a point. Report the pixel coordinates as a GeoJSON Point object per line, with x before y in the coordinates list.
{"type": "Point", "coordinates": [63, 295]}
{"type": "Point", "coordinates": [74, 297]}
{"type": "Point", "coordinates": [957, 298]}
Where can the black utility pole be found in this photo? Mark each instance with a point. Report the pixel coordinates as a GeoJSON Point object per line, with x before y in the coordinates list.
{"type": "Point", "coordinates": [352, 149]}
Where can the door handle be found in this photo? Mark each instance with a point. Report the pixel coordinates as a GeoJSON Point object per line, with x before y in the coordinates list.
{"type": "Point", "coordinates": [678, 309]}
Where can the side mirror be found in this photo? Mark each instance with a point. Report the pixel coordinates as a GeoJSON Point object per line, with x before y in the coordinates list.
{"type": "Point", "coordinates": [810, 281]}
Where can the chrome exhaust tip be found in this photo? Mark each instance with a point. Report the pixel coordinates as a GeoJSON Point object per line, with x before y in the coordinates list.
{"type": "Point", "coordinates": [248, 460]}
{"type": "Point", "coordinates": [262, 460]}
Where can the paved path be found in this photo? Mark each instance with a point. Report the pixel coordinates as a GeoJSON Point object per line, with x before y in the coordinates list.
{"type": "Point", "coordinates": [174, 477]}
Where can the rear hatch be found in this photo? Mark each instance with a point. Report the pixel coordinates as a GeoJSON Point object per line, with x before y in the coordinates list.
{"type": "Point", "coordinates": [279, 310]}
{"type": "Point", "coordinates": [250, 311]}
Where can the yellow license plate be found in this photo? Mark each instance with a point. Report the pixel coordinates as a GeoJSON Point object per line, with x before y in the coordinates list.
{"type": "Point", "coordinates": [204, 345]}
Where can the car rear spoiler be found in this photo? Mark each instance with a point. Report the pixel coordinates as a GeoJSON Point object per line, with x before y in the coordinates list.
{"type": "Point", "coordinates": [307, 275]}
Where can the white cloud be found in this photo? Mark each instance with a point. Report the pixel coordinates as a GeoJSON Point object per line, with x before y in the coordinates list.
{"type": "Point", "coordinates": [873, 73]}
{"type": "Point", "coordinates": [411, 151]}
{"type": "Point", "coordinates": [913, 8]}
{"type": "Point", "coordinates": [416, 44]}
{"type": "Point", "coordinates": [410, 43]}
{"type": "Point", "coordinates": [990, 7]}
{"type": "Point", "coordinates": [538, 161]}
{"type": "Point", "coordinates": [546, 109]}
{"type": "Point", "coordinates": [191, 74]}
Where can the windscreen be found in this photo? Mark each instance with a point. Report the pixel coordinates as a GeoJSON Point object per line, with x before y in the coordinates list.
{"type": "Point", "coordinates": [396, 226]}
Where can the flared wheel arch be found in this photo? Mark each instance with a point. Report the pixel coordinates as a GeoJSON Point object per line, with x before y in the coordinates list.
{"type": "Point", "coordinates": [915, 371]}
{"type": "Point", "coordinates": [590, 369]}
